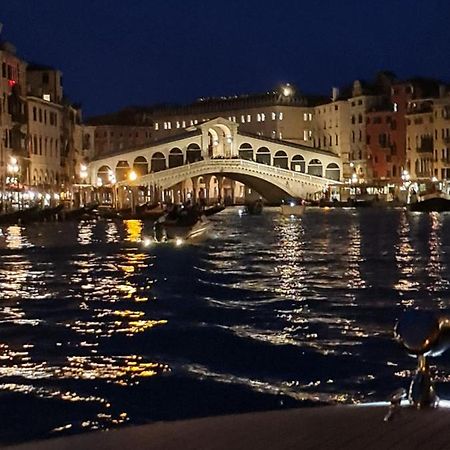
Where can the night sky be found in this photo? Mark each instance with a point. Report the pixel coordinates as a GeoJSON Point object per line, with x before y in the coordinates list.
{"type": "Point", "coordinates": [115, 53]}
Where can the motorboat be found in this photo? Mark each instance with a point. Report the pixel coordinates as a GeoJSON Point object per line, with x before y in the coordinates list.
{"type": "Point", "coordinates": [293, 207]}
{"type": "Point", "coordinates": [185, 225]}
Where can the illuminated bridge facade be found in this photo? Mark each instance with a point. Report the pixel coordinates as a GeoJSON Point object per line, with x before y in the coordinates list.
{"type": "Point", "coordinates": [204, 157]}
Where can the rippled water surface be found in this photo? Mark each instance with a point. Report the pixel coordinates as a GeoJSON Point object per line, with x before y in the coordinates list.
{"type": "Point", "coordinates": [97, 331]}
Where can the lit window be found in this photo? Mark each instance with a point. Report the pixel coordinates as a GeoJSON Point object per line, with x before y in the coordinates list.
{"type": "Point", "coordinates": [234, 118]}
{"type": "Point", "coordinates": [395, 107]}
{"type": "Point", "coordinates": [305, 116]}
{"type": "Point", "coordinates": [274, 116]}
{"type": "Point", "coordinates": [178, 124]}
{"type": "Point", "coordinates": [263, 117]}
{"type": "Point", "coordinates": [310, 116]}
{"type": "Point", "coordinates": [249, 118]}
{"type": "Point", "coordinates": [46, 97]}
{"type": "Point", "coordinates": [230, 118]}
{"type": "Point", "coordinates": [310, 134]}
{"type": "Point", "coordinates": [242, 119]}
{"type": "Point", "coordinates": [281, 136]}
{"type": "Point", "coordinates": [191, 122]}
{"type": "Point", "coordinates": [280, 116]}
{"type": "Point", "coordinates": [195, 121]}
{"type": "Point", "coordinates": [258, 117]}
{"type": "Point", "coordinates": [184, 124]}
{"type": "Point", "coordinates": [305, 135]}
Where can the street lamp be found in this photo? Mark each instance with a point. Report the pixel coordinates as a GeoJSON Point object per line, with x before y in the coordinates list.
{"type": "Point", "coordinates": [132, 176]}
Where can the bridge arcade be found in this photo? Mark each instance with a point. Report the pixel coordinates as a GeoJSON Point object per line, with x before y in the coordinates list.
{"type": "Point", "coordinates": [213, 159]}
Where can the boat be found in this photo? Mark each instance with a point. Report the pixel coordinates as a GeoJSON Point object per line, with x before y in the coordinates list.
{"type": "Point", "coordinates": [293, 207]}
{"type": "Point", "coordinates": [430, 200]}
{"type": "Point", "coordinates": [181, 225]}
{"type": "Point", "coordinates": [19, 216]}
{"type": "Point", "coordinates": [213, 210]}
{"type": "Point", "coordinates": [255, 208]}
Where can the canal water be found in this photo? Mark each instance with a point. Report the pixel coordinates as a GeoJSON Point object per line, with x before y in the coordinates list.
{"type": "Point", "coordinates": [98, 331]}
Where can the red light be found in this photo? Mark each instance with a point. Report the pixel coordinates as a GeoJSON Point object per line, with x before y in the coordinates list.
{"type": "Point", "coordinates": [11, 83]}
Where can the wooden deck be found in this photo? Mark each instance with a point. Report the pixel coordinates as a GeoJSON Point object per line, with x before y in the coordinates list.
{"type": "Point", "coordinates": [333, 427]}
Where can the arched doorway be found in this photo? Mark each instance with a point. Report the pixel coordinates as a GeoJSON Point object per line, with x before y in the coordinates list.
{"type": "Point", "coordinates": [176, 158]}
{"type": "Point", "coordinates": [263, 156]}
{"type": "Point", "coordinates": [298, 164]}
{"type": "Point", "coordinates": [122, 170]}
{"type": "Point", "coordinates": [333, 172]}
{"type": "Point", "coordinates": [158, 162]}
{"type": "Point", "coordinates": [140, 166]}
{"type": "Point", "coordinates": [193, 153]}
{"type": "Point", "coordinates": [280, 159]}
{"type": "Point", "coordinates": [315, 168]}
{"type": "Point", "coordinates": [246, 151]}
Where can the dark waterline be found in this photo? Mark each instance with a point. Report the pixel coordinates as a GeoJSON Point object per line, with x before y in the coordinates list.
{"type": "Point", "coordinates": [269, 312]}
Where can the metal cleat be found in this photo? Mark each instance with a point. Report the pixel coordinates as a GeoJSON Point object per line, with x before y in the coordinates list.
{"type": "Point", "coordinates": [424, 335]}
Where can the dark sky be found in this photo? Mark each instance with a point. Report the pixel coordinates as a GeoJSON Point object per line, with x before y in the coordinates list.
{"type": "Point", "coordinates": [115, 53]}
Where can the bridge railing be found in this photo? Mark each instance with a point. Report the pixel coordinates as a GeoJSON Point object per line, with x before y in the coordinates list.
{"type": "Point", "coordinates": [222, 165]}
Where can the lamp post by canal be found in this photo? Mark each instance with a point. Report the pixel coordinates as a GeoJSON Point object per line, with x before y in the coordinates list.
{"type": "Point", "coordinates": [12, 180]}
{"type": "Point", "coordinates": [83, 178]}
{"type": "Point", "coordinates": [132, 176]}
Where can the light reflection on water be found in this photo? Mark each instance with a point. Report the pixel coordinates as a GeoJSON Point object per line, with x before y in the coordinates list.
{"type": "Point", "coordinates": [272, 311]}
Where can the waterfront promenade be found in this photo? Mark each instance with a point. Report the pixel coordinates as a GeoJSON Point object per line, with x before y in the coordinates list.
{"type": "Point", "coordinates": [324, 428]}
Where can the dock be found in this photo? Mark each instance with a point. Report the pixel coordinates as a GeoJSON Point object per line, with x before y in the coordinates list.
{"type": "Point", "coordinates": [324, 428]}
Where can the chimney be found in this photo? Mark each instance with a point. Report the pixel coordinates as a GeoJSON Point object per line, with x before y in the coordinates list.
{"type": "Point", "coordinates": [335, 94]}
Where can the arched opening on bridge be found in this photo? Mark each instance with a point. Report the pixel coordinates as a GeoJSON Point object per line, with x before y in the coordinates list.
{"type": "Point", "coordinates": [140, 166]}
{"type": "Point", "coordinates": [193, 153]}
{"type": "Point", "coordinates": [176, 158]}
{"type": "Point", "coordinates": [220, 141]}
{"type": "Point", "coordinates": [333, 172]}
{"type": "Point", "coordinates": [280, 159]}
{"type": "Point", "coordinates": [122, 170]}
{"type": "Point", "coordinates": [315, 168]}
{"type": "Point", "coordinates": [298, 164]}
{"type": "Point", "coordinates": [213, 142]}
{"type": "Point", "coordinates": [104, 174]}
{"type": "Point", "coordinates": [158, 162]}
{"type": "Point", "coordinates": [263, 155]}
{"type": "Point", "coordinates": [246, 151]}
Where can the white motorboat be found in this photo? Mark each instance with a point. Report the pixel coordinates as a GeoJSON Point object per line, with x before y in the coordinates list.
{"type": "Point", "coordinates": [183, 229]}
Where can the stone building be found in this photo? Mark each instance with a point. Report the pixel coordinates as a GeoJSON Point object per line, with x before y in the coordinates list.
{"type": "Point", "coordinates": [13, 150]}
{"type": "Point", "coordinates": [331, 128]}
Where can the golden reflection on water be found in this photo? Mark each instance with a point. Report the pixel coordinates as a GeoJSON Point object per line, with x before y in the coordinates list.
{"type": "Point", "coordinates": [85, 232]}
{"type": "Point", "coordinates": [133, 229]}
{"type": "Point", "coordinates": [15, 238]}
{"type": "Point", "coordinates": [435, 267]}
{"type": "Point", "coordinates": [111, 232]}
{"type": "Point", "coordinates": [290, 254]}
{"type": "Point", "coordinates": [406, 259]}
{"type": "Point", "coordinates": [353, 271]}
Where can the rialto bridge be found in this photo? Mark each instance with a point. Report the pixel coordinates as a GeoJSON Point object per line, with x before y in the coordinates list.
{"type": "Point", "coordinates": [202, 161]}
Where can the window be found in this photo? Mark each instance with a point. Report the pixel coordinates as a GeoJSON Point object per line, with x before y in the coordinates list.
{"type": "Point", "coordinates": [178, 124]}
{"type": "Point", "coordinates": [310, 116]}
{"type": "Point", "coordinates": [263, 117]}
{"type": "Point", "coordinates": [34, 113]}
{"type": "Point", "coordinates": [305, 135]}
{"type": "Point", "coordinates": [249, 118]}
{"type": "Point", "coordinates": [395, 107]}
{"type": "Point", "coordinates": [156, 126]}
{"type": "Point", "coordinates": [360, 118]}
{"type": "Point", "coordinates": [242, 119]}
{"type": "Point", "coordinates": [280, 116]}
{"type": "Point", "coordinates": [46, 97]}
{"type": "Point", "coordinates": [305, 116]}
{"type": "Point", "coordinates": [274, 116]}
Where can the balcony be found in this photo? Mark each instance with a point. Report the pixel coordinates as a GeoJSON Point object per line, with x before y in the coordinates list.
{"type": "Point", "coordinates": [426, 145]}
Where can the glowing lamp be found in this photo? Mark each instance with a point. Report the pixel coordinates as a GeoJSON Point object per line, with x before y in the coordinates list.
{"type": "Point", "coordinates": [132, 176]}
